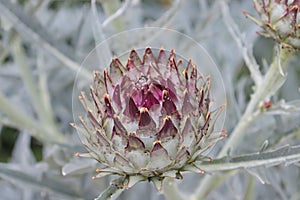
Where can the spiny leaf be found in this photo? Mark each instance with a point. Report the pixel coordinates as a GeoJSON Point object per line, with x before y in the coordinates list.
{"type": "Point", "coordinates": [9, 172]}
{"type": "Point", "coordinates": [30, 28]}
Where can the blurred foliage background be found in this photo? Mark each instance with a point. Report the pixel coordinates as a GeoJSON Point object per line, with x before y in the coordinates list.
{"type": "Point", "coordinates": [42, 44]}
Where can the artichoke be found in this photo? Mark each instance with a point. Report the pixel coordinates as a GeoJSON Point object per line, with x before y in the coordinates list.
{"type": "Point", "coordinates": [279, 20]}
{"type": "Point", "coordinates": [149, 119]}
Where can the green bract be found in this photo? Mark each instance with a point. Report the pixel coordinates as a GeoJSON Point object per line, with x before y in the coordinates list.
{"type": "Point", "coordinates": [149, 119]}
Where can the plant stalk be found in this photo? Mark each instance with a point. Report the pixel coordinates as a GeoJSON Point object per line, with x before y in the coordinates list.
{"type": "Point", "coordinates": [114, 189]}
{"type": "Point", "coordinates": [264, 91]}
{"type": "Point", "coordinates": [171, 191]}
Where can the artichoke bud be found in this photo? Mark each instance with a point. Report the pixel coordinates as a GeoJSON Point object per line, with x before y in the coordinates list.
{"type": "Point", "coordinates": [280, 20]}
{"type": "Point", "coordinates": [148, 119]}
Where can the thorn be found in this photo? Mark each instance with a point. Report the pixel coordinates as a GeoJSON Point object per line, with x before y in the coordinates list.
{"type": "Point", "coordinates": [245, 12]}
{"type": "Point", "coordinates": [77, 154]}
{"type": "Point", "coordinates": [73, 125]}
{"type": "Point", "coordinates": [99, 170]}
{"type": "Point", "coordinates": [156, 142]}
{"type": "Point", "coordinates": [224, 133]}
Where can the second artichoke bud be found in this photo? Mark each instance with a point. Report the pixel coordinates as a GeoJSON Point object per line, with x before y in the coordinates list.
{"type": "Point", "coordinates": [149, 119]}
{"type": "Point", "coordinates": [280, 20]}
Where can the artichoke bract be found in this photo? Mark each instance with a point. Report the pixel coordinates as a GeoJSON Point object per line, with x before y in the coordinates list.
{"type": "Point", "coordinates": [149, 119]}
{"type": "Point", "coordinates": [280, 20]}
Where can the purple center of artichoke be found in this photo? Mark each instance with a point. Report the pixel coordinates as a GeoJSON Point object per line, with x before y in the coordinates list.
{"type": "Point", "coordinates": [147, 92]}
{"type": "Point", "coordinates": [142, 89]}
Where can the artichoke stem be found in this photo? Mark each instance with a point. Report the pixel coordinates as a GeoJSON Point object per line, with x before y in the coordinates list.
{"type": "Point", "coordinates": [171, 191]}
{"type": "Point", "coordinates": [276, 71]}
{"type": "Point", "coordinates": [114, 189]}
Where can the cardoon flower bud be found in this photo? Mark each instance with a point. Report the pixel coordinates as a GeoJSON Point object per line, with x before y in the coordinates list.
{"type": "Point", "coordinates": [279, 20]}
{"type": "Point", "coordinates": [148, 119]}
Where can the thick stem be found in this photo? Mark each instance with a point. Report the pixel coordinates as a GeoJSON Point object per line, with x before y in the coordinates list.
{"type": "Point", "coordinates": [171, 191]}
{"type": "Point", "coordinates": [218, 179]}
{"type": "Point", "coordinates": [114, 189]}
{"type": "Point", "coordinates": [264, 91]}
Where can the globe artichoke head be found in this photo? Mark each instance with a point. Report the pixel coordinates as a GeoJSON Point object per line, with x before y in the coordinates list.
{"type": "Point", "coordinates": [149, 119]}
{"type": "Point", "coordinates": [280, 20]}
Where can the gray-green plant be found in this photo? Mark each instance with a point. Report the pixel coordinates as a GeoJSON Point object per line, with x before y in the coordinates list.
{"type": "Point", "coordinates": [42, 45]}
